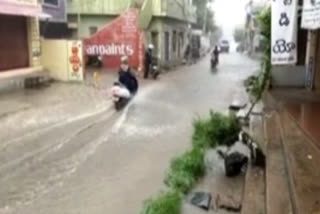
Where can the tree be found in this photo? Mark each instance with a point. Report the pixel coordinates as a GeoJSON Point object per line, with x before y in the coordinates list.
{"type": "Point", "coordinates": [216, 34]}
{"type": "Point", "coordinates": [239, 34]}
{"type": "Point", "coordinates": [257, 85]}
{"type": "Point", "coordinates": [205, 16]}
{"type": "Point", "coordinates": [183, 6]}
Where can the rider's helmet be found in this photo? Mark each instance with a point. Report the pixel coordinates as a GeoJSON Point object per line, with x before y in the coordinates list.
{"type": "Point", "coordinates": [124, 60]}
{"type": "Point", "coordinates": [150, 47]}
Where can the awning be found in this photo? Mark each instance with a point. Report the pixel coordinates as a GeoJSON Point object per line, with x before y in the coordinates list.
{"type": "Point", "coordinates": [15, 8]}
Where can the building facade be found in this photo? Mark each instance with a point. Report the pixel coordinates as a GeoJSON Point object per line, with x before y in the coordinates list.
{"type": "Point", "coordinates": [170, 29]}
{"type": "Point", "coordinates": [86, 17]}
{"type": "Point", "coordinates": [296, 75]}
{"type": "Point", "coordinates": [165, 23]}
{"type": "Point", "coordinates": [252, 30]}
{"type": "Point", "coordinates": [19, 34]}
{"type": "Point", "coordinates": [54, 27]}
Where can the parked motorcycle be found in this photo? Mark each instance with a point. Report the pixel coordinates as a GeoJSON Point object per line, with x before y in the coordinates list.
{"type": "Point", "coordinates": [155, 71]}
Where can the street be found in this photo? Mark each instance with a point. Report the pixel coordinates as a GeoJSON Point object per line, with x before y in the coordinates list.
{"type": "Point", "coordinates": [111, 162]}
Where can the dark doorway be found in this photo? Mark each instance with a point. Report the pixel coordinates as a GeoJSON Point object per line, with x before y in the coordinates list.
{"type": "Point", "coordinates": [167, 44]}
{"type": "Point", "coordinates": [13, 42]}
{"type": "Point", "coordinates": [155, 41]}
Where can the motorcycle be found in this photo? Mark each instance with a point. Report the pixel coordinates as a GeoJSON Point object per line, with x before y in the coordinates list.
{"type": "Point", "coordinates": [155, 71]}
{"type": "Point", "coordinates": [214, 61]}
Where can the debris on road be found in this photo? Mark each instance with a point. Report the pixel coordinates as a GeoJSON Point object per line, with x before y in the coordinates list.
{"type": "Point", "coordinates": [228, 203]}
{"type": "Point", "coordinates": [201, 200]}
{"type": "Point", "coordinates": [236, 106]}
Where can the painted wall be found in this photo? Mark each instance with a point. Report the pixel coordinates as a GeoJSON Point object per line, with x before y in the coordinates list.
{"type": "Point", "coordinates": [59, 13]}
{"type": "Point", "coordinates": [288, 76]}
{"type": "Point", "coordinates": [34, 2]}
{"type": "Point", "coordinates": [106, 7]}
{"type": "Point", "coordinates": [33, 35]}
{"type": "Point", "coordinates": [88, 21]}
{"type": "Point", "coordinates": [179, 9]}
{"type": "Point", "coordinates": [158, 7]}
{"type": "Point", "coordinates": [69, 55]}
{"type": "Point", "coordinates": [57, 50]}
{"type": "Point", "coordinates": [161, 26]}
{"type": "Point", "coordinates": [317, 62]}
{"type": "Point", "coordinates": [145, 14]}
{"type": "Point", "coordinates": [34, 41]}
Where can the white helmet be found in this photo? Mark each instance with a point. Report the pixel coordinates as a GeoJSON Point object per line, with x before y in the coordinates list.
{"type": "Point", "coordinates": [150, 46]}
{"type": "Point", "coordinates": [124, 59]}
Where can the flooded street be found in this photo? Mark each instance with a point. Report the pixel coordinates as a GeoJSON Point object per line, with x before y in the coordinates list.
{"type": "Point", "coordinates": [111, 163]}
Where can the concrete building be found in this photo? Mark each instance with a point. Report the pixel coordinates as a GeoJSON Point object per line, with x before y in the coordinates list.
{"type": "Point", "coordinates": [252, 30]}
{"type": "Point", "coordinates": [55, 26]}
{"type": "Point", "coordinates": [170, 29]}
{"type": "Point", "coordinates": [166, 23]}
{"type": "Point", "coordinates": [297, 75]}
{"type": "Point", "coordinates": [19, 35]}
{"type": "Point", "coordinates": [312, 65]}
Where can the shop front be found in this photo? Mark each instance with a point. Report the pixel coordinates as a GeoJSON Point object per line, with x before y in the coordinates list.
{"type": "Point", "coordinates": [13, 42]}
{"type": "Point", "coordinates": [121, 37]}
{"type": "Point", "coordinates": [19, 35]}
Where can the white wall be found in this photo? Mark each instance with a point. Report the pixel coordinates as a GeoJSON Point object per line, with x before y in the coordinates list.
{"type": "Point", "coordinates": [54, 58]}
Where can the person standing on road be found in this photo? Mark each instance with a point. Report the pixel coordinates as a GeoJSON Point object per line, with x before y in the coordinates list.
{"type": "Point", "coordinates": [148, 61]}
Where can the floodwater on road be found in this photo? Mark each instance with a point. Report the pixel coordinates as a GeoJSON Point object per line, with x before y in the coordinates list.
{"type": "Point", "coordinates": [111, 163]}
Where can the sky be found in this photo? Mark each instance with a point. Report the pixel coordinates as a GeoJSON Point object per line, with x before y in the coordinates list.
{"type": "Point", "coordinates": [229, 14]}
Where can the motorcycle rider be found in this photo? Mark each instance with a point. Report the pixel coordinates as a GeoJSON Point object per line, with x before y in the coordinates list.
{"type": "Point", "coordinates": [215, 53]}
{"type": "Point", "coordinates": [126, 77]}
{"type": "Point", "coordinates": [148, 61]}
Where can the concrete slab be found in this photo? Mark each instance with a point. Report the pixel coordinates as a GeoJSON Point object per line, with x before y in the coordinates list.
{"type": "Point", "coordinates": [254, 194]}
{"type": "Point", "coordinates": [278, 200]}
{"type": "Point", "coordinates": [216, 183]}
{"type": "Point", "coordinates": [303, 160]}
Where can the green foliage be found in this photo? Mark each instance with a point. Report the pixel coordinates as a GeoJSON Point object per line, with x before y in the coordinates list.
{"type": "Point", "coordinates": [202, 9]}
{"type": "Point", "coordinates": [216, 130]}
{"type": "Point", "coordinates": [164, 203]}
{"type": "Point", "coordinates": [265, 23]}
{"type": "Point", "coordinates": [258, 84]}
{"type": "Point", "coordinates": [186, 170]}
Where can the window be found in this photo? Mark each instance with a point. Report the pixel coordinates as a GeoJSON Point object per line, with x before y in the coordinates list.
{"type": "Point", "coordinates": [174, 41]}
{"type": "Point", "coordinates": [51, 2]}
{"type": "Point", "coordinates": [301, 44]}
{"type": "Point", "coordinates": [166, 41]}
{"type": "Point", "coordinates": [154, 40]}
{"type": "Point", "coordinates": [93, 30]}
{"type": "Point", "coordinates": [182, 38]}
